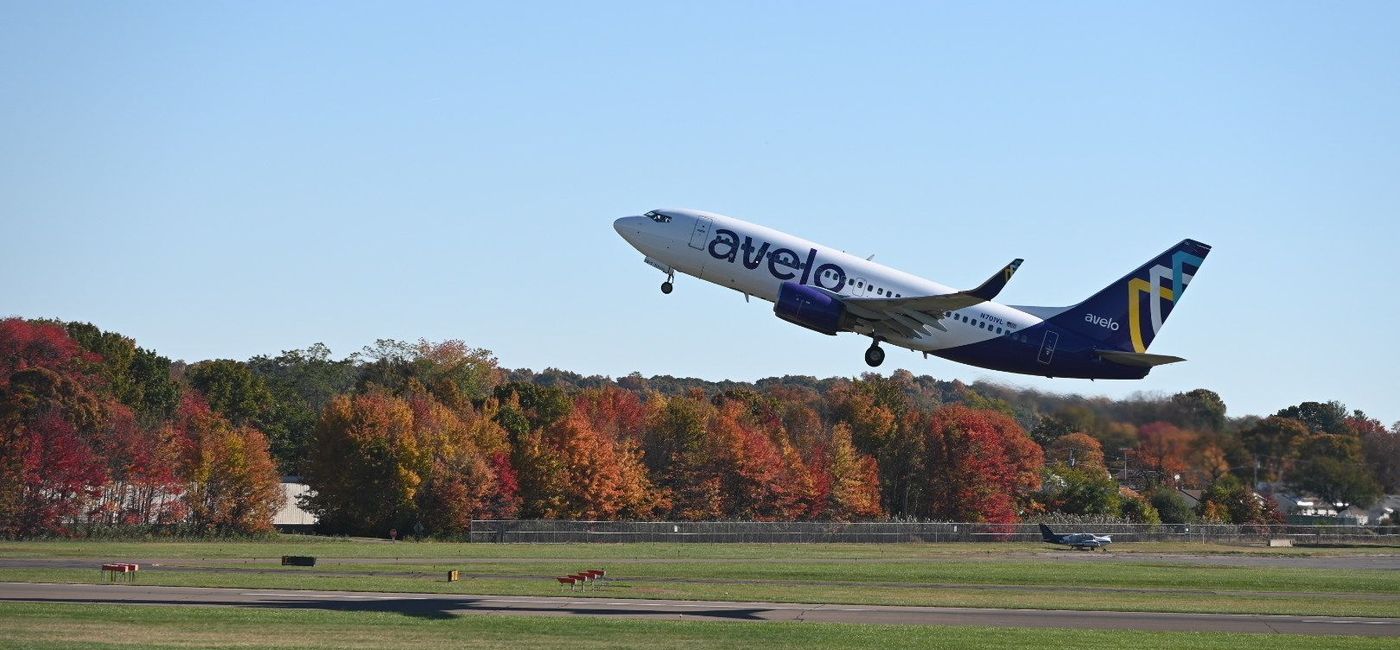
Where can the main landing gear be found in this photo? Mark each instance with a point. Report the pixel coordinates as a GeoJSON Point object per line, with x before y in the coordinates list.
{"type": "Point", "coordinates": [874, 356]}
{"type": "Point", "coordinates": [666, 287]}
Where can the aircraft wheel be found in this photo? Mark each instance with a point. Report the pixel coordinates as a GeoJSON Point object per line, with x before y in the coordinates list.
{"type": "Point", "coordinates": [666, 287]}
{"type": "Point", "coordinates": [874, 356]}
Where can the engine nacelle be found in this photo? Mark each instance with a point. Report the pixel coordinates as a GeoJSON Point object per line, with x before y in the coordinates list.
{"type": "Point", "coordinates": [810, 307]}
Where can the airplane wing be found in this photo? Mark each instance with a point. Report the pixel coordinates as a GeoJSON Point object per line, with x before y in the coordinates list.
{"type": "Point", "coordinates": [907, 317]}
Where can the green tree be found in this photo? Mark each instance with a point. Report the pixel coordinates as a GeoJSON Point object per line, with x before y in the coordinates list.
{"type": "Point", "coordinates": [1082, 491]}
{"type": "Point", "coordinates": [302, 383]}
{"type": "Point", "coordinates": [1171, 506]}
{"type": "Point", "coordinates": [1202, 410]}
{"type": "Point", "coordinates": [137, 377]}
{"type": "Point", "coordinates": [232, 390]}
{"type": "Point", "coordinates": [1332, 467]}
{"type": "Point", "coordinates": [1229, 501]}
{"type": "Point", "coordinates": [1139, 510]}
{"type": "Point", "coordinates": [1319, 417]}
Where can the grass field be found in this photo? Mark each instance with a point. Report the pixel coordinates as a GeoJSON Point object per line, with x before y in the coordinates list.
{"type": "Point", "coordinates": [1136, 577]}
{"type": "Point", "coordinates": [361, 548]}
{"type": "Point", "coordinates": [116, 626]}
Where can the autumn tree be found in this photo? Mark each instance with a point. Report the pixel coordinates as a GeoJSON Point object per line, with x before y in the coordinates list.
{"type": "Point", "coordinates": [976, 465]}
{"type": "Point", "coordinates": [233, 483]}
{"type": "Point", "coordinates": [852, 480]}
{"type": "Point", "coordinates": [1382, 451]}
{"type": "Point", "coordinates": [1163, 449]}
{"type": "Point", "coordinates": [1076, 450]}
{"type": "Point", "coordinates": [49, 404]}
{"type": "Point", "coordinates": [455, 373]}
{"type": "Point", "coordinates": [604, 476]}
{"type": "Point", "coordinates": [365, 445]}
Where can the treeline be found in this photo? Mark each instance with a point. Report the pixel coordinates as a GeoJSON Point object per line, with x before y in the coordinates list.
{"type": "Point", "coordinates": [431, 435]}
{"type": "Point", "coordinates": [95, 430]}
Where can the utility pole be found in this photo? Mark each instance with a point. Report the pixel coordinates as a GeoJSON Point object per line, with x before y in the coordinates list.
{"type": "Point", "coordinates": [1125, 462]}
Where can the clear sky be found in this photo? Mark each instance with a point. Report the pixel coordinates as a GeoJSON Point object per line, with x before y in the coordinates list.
{"type": "Point", "coordinates": [232, 179]}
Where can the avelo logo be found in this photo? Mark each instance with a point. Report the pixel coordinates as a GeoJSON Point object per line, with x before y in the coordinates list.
{"type": "Point", "coordinates": [1106, 323]}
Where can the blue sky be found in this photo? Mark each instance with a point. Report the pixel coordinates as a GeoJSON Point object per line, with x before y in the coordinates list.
{"type": "Point", "coordinates": [226, 180]}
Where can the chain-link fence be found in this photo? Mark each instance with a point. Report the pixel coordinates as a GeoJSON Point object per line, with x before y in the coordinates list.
{"type": "Point", "coordinates": [545, 531]}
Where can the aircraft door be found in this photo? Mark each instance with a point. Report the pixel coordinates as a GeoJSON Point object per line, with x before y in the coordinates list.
{"type": "Point", "coordinates": [701, 234]}
{"type": "Point", "coordinates": [857, 286]}
{"type": "Point", "coordinates": [1047, 347]}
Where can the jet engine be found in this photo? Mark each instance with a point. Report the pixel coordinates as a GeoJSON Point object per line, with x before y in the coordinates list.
{"type": "Point", "coordinates": [810, 307]}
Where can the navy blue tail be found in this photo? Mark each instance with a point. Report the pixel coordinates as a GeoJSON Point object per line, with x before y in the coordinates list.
{"type": "Point", "coordinates": [1127, 314]}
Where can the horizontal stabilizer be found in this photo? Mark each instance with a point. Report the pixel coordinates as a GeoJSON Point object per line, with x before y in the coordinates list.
{"type": "Point", "coordinates": [1137, 359]}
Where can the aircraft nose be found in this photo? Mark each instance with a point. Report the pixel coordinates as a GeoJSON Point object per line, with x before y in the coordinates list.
{"type": "Point", "coordinates": [628, 226]}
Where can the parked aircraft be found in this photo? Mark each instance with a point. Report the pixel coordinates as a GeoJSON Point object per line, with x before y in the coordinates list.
{"type": "Point", "coordinates": [829, 291]}
{"type": "Point", "coordinates": [1086, 541]}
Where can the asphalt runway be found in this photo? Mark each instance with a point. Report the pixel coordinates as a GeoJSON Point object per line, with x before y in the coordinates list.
{"type": "Point", "coordinates": [448, 605]}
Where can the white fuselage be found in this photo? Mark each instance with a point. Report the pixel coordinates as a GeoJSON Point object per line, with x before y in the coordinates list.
{"type": "Point", "coordinates": [755, 260]}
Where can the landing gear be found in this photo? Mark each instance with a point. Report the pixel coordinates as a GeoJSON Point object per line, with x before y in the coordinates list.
{"type": "Point", "coordinates": [874, 356]}
{"type": "Point", "coordinates": [666, 287]}
{"type": "Point", "coordinates": [670, 277]}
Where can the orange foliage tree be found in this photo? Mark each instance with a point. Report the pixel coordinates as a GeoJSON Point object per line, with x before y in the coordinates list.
{"type": "Point", "coordinates": [1076, 449]}
{"type": "Point", "coordinates": [1163, 448]}
{"type": "Point", "coordinates": [232, 483]}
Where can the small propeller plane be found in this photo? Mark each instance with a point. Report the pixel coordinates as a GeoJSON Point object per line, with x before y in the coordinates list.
{"type": "Point", "coordinates": [1077, 541]}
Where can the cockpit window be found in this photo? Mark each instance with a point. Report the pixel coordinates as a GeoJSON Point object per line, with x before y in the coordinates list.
{"type": "Point", "coordinates": [658, 217]}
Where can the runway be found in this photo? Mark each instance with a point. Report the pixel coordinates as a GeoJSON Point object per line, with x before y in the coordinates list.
{"type": "Point", "coordinates": [448, 605]}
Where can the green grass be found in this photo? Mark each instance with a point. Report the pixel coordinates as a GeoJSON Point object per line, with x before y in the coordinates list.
{"type": "Point", "coordinates": [25, 625]}
{"type": "Point", "coordinates": [342, 547]}
{"type": "Point", "coordinates": [962, 575]}
{"type": "Point", "coordinates": [951, 596]}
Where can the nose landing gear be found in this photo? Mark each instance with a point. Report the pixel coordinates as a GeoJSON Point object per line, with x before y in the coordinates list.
{"type": "Point", "coordinates": [874, 356]}
{"type": "Point", "coordinates": [666, 286]}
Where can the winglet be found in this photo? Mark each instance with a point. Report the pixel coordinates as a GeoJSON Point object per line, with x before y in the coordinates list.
{"type": "Point", "coordinates": [996, 283]}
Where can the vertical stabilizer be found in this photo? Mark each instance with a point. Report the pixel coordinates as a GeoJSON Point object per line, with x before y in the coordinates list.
{"type": "Point", "coordinates": [1127, 314]}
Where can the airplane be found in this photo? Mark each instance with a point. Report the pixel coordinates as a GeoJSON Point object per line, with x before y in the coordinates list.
{"type": "Point", "coordinates": [1080, 541]}
{"type": "Point", "coordinates": [829, 291]}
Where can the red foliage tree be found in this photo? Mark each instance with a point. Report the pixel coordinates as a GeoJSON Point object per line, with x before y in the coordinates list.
{"type": "Point", "coordinates": [977, 466]}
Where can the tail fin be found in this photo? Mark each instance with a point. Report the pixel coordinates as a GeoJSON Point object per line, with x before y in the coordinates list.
{"type": "Point", "coordinates": [1127, 314]}
{"type": "Point", "coordinates": [1047, 535]}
